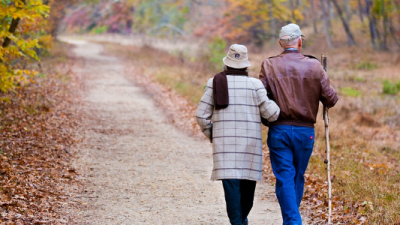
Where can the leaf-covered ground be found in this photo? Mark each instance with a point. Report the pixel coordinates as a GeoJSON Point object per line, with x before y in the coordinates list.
{"type": "Point", "coordinates": [36, 132]}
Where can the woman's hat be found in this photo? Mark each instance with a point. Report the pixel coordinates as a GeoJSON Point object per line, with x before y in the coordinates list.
{"type": "Point", "coordinates": [237, 57]}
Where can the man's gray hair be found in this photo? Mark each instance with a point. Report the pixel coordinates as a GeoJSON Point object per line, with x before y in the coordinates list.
{"type": "Point", "coordinates": [288, 42]}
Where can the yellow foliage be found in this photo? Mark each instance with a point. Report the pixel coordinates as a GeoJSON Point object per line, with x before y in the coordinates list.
{"type": "Point", "coordinates": [250, 20]}
{"type": "Point", "coordinates": [46, 41]}
{"type": "Point", "coordinates": [30, 15]}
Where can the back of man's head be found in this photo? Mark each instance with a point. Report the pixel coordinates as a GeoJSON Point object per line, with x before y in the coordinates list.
{"type": "Point", "coordinates": [290, 35]}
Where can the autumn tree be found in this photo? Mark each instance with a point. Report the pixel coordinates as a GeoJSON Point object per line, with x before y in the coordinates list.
{"type": "Point", "coordinates": [57, 14]}
{"type": "Point", "coordinates": [345, 22]}
{"type": "Point", "coordinates": [382, 15]}
{"type": "Point", "coordinates": [98, 17]}
{"type": "Point", "coordinates": [164, 18]}
{"type": "Point", "coordinates": [256, 21]}
{"type": "Point", "coordinates": [327, 22]}
{"type": "Point", "coordinates": [22, 21]}
{"type": "Point", "coordinates": [247, 22]}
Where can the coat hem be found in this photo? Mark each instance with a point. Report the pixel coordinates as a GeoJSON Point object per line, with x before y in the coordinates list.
{"type": "Point", "coordinates": [236, 178]}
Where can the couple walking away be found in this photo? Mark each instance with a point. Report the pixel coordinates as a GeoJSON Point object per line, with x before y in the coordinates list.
{"type": "Point", "coordinates": [287, 95]}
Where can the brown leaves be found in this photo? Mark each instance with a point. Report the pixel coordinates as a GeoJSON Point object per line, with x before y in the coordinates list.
{"type": "Point", "coordinates": [35, 130]}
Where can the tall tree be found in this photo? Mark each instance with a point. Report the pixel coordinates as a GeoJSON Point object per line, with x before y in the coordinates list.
{"type": "Point", "coordinates": [22, 23]}
{"type": "Point", "coordinates": [394, 6]}
{"type": "Point", "coordinates": [331, 10]}
{"type": "Point", "coordinates": [360, 10]}
{"type": "Point", "coordinates": [57, 13]}
{"type": "Point", "coordinates": [272, 18]}
{"type": "Point", "coordinates": [314, 20]}
{"type": "Point", "coordinates": [291, 5]}
{"type": "Point", "coordinates": [385, 22]}
{"type": "Point", "coordinates": [392, 34]}
{"type": "Point", "coordinates": [350, 38]}
{"type": "Point", "coordinates": [327, 23]}
{"type": "Point", "coordinates": [372, 25]}
{"type": "Point", "coordinates": [295, 8]}
{"type": "Point", "coordinates": [347, 10]}
{"type": "Point", "coordinates": [247, 21]}
{"type": "Point", "coordinates": [13, 26]}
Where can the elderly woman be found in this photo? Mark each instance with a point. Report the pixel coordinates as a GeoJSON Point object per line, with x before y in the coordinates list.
{"type": "Point", "coordinates": [229, 115]}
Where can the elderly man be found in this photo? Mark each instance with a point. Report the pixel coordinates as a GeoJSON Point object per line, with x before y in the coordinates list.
{"type": "Point", "coordinates": [236, 102]}
{"type": "Point", "coordinates": [296, 83]}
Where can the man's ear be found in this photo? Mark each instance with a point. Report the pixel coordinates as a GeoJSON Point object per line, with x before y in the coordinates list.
{"type": "Point", "coordinates": [280, 43]}
{"type": "Point", "coordinates": [300, 42]}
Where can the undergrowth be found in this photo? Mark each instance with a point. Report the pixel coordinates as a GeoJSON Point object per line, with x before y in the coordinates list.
{"type": "Point", "coordinates": [348, 91]}
{"type": "Point", "coordinates": [391, 88]}
{"type": "Point", "coordinates": [366, 66]}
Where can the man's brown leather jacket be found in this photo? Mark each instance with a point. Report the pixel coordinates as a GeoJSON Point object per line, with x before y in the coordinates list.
{"type": "Point", "coordinates": [297, 83]}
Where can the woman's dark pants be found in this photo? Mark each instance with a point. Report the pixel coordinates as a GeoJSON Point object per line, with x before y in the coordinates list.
{"type": "Point", "coordinates": [239, 196]}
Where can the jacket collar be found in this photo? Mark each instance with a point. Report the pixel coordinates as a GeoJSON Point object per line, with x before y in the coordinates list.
{"type": "Point", "coordinates": [290, 51]}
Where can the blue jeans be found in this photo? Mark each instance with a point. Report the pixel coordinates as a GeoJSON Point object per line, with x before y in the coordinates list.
{"type": "Point", "coordinates": [290, 150]}
{"type": "Point", "coordinates": [239, 197]}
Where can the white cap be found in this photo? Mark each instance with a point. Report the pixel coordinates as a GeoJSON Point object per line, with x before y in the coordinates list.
{"type": "Point", "coordinates": [237, 57]}
{"type": "Point", "coordinates": [291, 31]}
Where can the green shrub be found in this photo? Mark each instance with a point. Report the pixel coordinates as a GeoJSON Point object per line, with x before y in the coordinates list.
{"type": "Point", "coordinates": [391, 88]}
{"type": "Point", "coordinates": [359, 79]}
{"type": "Point", "coordinates": [217, 52]}
{"type": "Point", "coordinates": [100, 30]}
{"type": "Point", "coordinates": [366, 66]}
{"type": "Point", "coordinates": [348, 91]}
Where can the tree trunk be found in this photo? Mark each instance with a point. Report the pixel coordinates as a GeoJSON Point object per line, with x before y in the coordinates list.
{"type": "Point", "coordinates": [13, 27]}
{"type": "Point", "coordinates": [314, 20]}
{"type": "Point", "coordinates": [292, 7]}
{"type": "Point", "coordinates": [331, 10]}
{"type": "Point", "coordinates": [372, 25]}
{"type": "Point", "coordinates": [385, 27]}
{"type": "Point", "coordinates": [298, 4]}
{"type": "Point", "coordinates": [360, 10]}
{"type": "Point", "coordinates": [272, 19]}
{"type": "Point", "coordinates": [347, 10]}
{"type": "Point", "coordinates": [350, 38]}
{"type": "Point", "coordinates": [325, 11]}
{"type": "Point", "coordinates": [392, 33]}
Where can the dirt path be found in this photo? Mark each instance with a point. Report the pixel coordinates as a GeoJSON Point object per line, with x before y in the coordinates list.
{"type": "Point", "coordinates": [137, 168]}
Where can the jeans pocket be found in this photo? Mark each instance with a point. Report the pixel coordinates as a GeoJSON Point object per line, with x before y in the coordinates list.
{"type": "Point", "coordinates": [308, 140]}
{"type": "Point", "coordinates": [276, 140]}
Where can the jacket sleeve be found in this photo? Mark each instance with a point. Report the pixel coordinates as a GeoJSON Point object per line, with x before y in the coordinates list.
{"type": "Point", "coordinates": [205, 110]}
{"type": "Point", "coordinates": [328, 94]}
{"type": "Point", "coordinates": [262, 76]}
{"type": "Point", "coordinates": [268, 109]}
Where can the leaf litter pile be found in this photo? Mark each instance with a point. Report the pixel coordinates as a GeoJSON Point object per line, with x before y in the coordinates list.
{"type": "Point", "coordinates": [36, 132]}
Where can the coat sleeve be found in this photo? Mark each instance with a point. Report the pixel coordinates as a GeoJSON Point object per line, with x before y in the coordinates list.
{"type": "Point", "coordinates": [268, 109]}
{"type": "Point", "coordinates": [205, 110]}
{"type": "Point", "coordinates": [328, 94]}
{"type": "Point", "coordinates": [262, 76]}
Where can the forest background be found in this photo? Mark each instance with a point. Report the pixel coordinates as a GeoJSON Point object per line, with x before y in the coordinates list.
{"type": "Point", "coordinates": [360, 37]}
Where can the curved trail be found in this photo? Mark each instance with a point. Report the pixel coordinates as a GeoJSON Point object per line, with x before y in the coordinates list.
{"type": "Point", "coordinates": [137, 168]}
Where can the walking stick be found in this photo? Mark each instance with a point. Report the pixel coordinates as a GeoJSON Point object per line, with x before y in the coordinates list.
{"type": "Point", "coordinates": [327, 160]}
